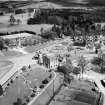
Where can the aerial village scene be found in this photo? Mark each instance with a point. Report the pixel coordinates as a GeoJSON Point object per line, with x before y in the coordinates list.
{"type": "Point", "coordinates": [52, 52]}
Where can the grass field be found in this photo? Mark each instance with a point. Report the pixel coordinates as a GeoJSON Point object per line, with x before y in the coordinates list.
{"type": "Point", "coordinates": [9, 54]}
{"type": "Point", "coordinates": [34, 28]}
{"type": "Point", "coordinates": [19, 89]}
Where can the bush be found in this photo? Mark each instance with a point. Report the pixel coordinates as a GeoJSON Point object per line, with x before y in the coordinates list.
{"type": "Point", "coordinates": [15, 103]}
{"type": "Point", "coordinates": [19, 101]}
{"type": "Point", "coordinates": [33, 95]}
{"type": "Point", "coordinates": [24, 104]}
{"type": "Point", "coordinates": [8, 84]}
{"type": "Point", "coordinates": [11, 81]}
{"type": "Point", "coordinates": [1, 90]}
{"type": "Point", "coordinates": [24, 68]}
{"type": "Point", "coordinates": [33, 21]}
{"type": "Point", "coordinates": [19, 11]}
{"type": "Point", "coordinates": [27, 100]}
{"type": "Point", "coordinates": [50, 76]}
{"type": "Point", "coordinates": [76, 70]}
{"type": "Point", "coordinates": [96, 61]}
{"type": "Point", "coordinates": [49, 35]}
{"type": "Point", "coordinates": [45, 81]}
{"type": "Point", "coordinates": [55, 20]}
{"type": "Point", "coordinates": [41, 86]}
{"type": "Point", "coordinates": [1, 13]}
{"type": "Point", "coordinates": [80, 44]}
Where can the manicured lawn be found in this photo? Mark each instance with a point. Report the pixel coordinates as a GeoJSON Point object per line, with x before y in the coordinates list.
{"type": "Point", "coordinates": [19, 89]}
{"type": "Point", "coordinates": [11, 53]}
{"type": "Point", "coordinates": [31, 49]}
{"type": "Point", "coordinates": [35, 28]}
{"type": "Point", "coordinates": [5, 63]}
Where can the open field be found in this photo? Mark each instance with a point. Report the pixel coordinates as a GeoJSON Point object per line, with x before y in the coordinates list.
{"type": "Point", "coordinates": [34, 28]}
{"type": "Point", "coordinates": [9, 54]}
{"type": "Point", "coordinates": [20, 89]}
{"type": "Point", "coordinates": [79, 2]}
{"type": "Point", "coordinates": [5, 63]}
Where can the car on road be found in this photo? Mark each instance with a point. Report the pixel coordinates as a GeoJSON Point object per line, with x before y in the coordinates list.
{"type": "Point", "coordinates": [103, 82]}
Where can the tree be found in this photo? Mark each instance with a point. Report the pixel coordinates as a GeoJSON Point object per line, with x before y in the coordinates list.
{"type": "Point", "coordinates": [103, 62]}
{"type": "Point", "coordinates": [1, 44]}
{"type": "Point", "coordinates": [19, 101]}
{"type": "Point", "coordinates": [49, 34]}
{"type": "Point", "coordinates": [76, 70]}
{"type": "Point", "coordinates": [13, 6]}
{"type": "Point", "coordinates": [24, 69]}
{"type": "Point", "coordinates": [96, 61]}
{"type": "Point", "coordinates": [12, 20]}
{"type": "Point", "coordinates": [1, 90]}
{"type": "Point", "coordinates": [82, 63]}
{"type": "Point", "coordinates": [41, 30]}
{"type": "Point", "coordinates": [7, 42]}
{"type": "Point", "coordinates": [66, 69]}
{"type": "Point", "coordinates": [99, 64]}
{"type": "Point", "coordinates": [18, 21]}
{"type": "Point", "coordinates": [55, 20]}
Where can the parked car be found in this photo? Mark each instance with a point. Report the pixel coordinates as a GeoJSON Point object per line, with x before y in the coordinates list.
{"type": "Point", "coordinates": [103, 82]}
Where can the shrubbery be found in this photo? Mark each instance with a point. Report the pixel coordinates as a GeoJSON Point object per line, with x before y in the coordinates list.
{"type": "Point", "coordinates": [50, 76]}
{"type": "Point", "coordinates": [99, 65]}
{"type": "Point", "coordinates": [96, 61]}
{"type": "Point", "coordinates": [49, 35]}
{"type": "Point", "coordinates": [24, 104]}
{"type": "Point", "coordinates": [34, 21]}
{"type": "Point", "coordinates": [45, 81]}
{"type": "Point", "coordinates": [11, 81]}
{"type": "Point", "coordinates": [33, 95]}
{"type": "Point", "coordinates": [80, 44]}
{"type": "Point", "coordinates": [55, 20]}
{"type": "Point", "coordinates": [41, 86]}
{"type": "Point", "coordinates": [76, 70]}
{"type": "Point", "coordinates": [27, 99]}
{"type": "Point", "coordinates": [19, 11]}
{"type": "Point", "coordinates": [19, 102]}
{"type": "Point", "coordinates": [1, 90]}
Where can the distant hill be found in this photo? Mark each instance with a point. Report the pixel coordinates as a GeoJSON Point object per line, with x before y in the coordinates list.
{"type": "Point", "coordinates": [80, 2]}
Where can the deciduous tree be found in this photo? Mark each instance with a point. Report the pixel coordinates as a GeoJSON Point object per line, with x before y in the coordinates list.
{"type": "Point", "coordinates": [12, 20]}
{"type": "Point", "coordinates": [82, 63]}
